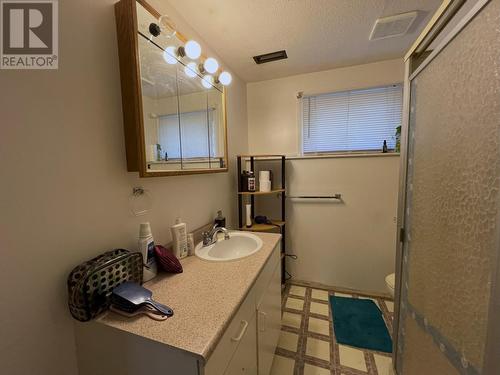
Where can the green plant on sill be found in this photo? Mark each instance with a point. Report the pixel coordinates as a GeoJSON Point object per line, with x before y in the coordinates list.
{"type": "Point", "coordinates": [397, 148]}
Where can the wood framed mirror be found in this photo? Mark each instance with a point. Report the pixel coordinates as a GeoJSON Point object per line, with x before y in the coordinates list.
{"type": "Point", "coordinates": [174, 118]}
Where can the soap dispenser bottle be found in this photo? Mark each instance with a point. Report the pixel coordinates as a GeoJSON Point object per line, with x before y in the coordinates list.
{"type": "Point", "coordinates": [220, 221]}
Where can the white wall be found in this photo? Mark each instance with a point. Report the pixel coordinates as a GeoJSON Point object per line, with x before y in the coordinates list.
{"type": "Point", "coordinates": [351, 244]}
{"type": "Point", "coordinates": [64, 194]}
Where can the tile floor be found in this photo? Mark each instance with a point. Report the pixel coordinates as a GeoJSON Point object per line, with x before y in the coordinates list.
{"type": "Point", "coordinates": [307, 345]}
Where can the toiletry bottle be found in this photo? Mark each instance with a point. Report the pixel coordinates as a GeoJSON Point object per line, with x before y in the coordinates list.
{"type": "Point", "coordinates": [158, 152]}
{"type": "Point", "coordinates": [220, 221]}
{"type": "Point", "coordinates": [384, 147]}
{"type": "Point", "coordinates": [147, 249]}
{"type": "Point", "coordinates": [244, 181]}
{"type": "Point", "coordinates": [179, 235]}
{"type": "Point", "coordinates": [190, 243]}
{"type": "Point", "coordinates": [251, 181]}
{"type": "Point", "coordinates": [248, 215]}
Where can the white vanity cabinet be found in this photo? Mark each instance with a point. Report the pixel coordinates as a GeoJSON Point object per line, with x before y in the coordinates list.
{"type": "Point", "coordinates": [244, 361]}
{"type": "Point", "coordinates": [255, 328]}
{"type": "Point", "coordinates": [269, 323]}
{"type": "Point", "coordinates": [246, 346]}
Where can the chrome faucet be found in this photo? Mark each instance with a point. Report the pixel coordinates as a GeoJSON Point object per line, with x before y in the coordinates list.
{"type": "Point", "coordinates": [210, 238]}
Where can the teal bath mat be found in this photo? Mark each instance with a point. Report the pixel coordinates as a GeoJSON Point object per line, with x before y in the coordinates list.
{"type": "Point", "coordinates": [359, 323]}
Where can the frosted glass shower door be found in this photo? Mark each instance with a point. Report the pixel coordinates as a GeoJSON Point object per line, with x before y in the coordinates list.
{"type": "Point", "coordinates": [452, 199]}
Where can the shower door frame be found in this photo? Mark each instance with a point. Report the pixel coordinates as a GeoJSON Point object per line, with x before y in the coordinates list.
{"type": "Point", "coordinates": [416, 61]}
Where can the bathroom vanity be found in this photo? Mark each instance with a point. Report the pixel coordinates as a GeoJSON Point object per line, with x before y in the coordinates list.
{"type": "Point", "coordinates": [227, 321]}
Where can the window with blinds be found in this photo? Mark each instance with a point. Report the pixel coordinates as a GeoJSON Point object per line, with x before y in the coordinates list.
{"type": "Point", "coordinates": [356, 120]}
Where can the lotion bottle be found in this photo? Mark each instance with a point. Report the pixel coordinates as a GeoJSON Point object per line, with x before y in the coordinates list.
{"type": "Point", "coordinates": [147, 249]}
{"type": "Point", "coordinates": [179, 235]}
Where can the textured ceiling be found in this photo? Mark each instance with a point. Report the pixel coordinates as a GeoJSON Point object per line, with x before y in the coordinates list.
{"type": "Point", "coordinates": [317, 34]}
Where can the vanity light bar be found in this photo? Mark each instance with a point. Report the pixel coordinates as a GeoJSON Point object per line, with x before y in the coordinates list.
{"type": "Point", "coordinates": [192, 50]}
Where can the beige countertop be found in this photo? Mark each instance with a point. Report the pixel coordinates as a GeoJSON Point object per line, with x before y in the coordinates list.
{"type": "Point", "coordinates": [204, 298]}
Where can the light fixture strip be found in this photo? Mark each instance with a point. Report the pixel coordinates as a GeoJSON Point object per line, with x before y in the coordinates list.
{"type": "Point", "coordinates": [209, 64]}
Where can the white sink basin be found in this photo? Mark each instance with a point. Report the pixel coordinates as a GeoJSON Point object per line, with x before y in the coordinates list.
{"type": "Point", "coordinates": [240, 245]}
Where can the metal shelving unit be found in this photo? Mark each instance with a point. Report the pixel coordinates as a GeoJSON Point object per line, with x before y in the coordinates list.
{"type": "Point", "coordinates": [276, 223]}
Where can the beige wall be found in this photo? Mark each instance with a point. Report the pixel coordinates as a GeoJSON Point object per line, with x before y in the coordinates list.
{"type": "Point", "coordinates": [351, 244]}
{"type": "Point", "coordinates": [348, 244]}
{"type": "Point", "coordinates": [64, 194]}
{"type": "Point", "coordinates": [273, 125]}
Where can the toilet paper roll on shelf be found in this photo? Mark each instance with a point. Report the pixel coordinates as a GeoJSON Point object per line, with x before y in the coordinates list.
{"type": "Point", "coordinates": [265, 186]}
{"type": "Point", "coordinates": [265, 181]}
{"type": "Point", "coordinates": [265, 175]}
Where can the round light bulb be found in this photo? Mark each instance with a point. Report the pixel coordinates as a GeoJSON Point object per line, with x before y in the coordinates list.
{"type": "Point", "coordinates": [193, 49]}
{"type": "Point", "coordinates": [191, 70]}
{"type": "Point", "coordinates": [207, 81]}
{"type": "Point", "coordinates": [225, 78]}
{"type": "Point", "coordinates": [211, 65]}
{"type": "Point", "coordinates": [169, 55]}
{"type": "Point", "coordinates": [167, 26]}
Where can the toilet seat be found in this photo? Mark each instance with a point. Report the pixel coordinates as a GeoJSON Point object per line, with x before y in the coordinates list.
{"type": "Point", "coordinates": [390, 281]}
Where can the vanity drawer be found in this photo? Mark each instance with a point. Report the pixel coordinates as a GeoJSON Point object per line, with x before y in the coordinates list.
{"type": "Point", "coordinates": [266, 275]}
{"type": "Point", "coordinates": [237, 330]}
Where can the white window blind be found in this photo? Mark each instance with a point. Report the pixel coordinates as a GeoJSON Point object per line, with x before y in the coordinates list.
{"type": "Point", "coordinates": [198, 136]}
{"type": "Point", "coordinates": [356, 120]}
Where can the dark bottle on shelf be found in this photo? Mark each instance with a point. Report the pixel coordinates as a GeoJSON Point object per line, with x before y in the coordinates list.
{"type": "Point", "coordinates": [251, 181]}
{"type": "Point", "coordinates": [384, 147]}
{"type": "Point", "coordinates": [244, 180]}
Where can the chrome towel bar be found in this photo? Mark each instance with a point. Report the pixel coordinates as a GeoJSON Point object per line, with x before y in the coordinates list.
{"type": "Point", "coordinates": [337, 196]}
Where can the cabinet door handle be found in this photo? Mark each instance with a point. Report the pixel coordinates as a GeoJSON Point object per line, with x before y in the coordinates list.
{"type": "Point", "coordinates": [262, 325]}
{"type": "Point", "coordinates": [244, 326]}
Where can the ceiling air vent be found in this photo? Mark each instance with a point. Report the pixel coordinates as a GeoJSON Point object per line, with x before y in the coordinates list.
{"type": "Point", "coordinates": [268, 57]}
{"type": "Point", "coordinates": [397, 25]}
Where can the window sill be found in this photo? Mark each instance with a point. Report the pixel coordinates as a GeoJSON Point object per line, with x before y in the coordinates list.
{"type": "Point", "coordinates": [344, 155]}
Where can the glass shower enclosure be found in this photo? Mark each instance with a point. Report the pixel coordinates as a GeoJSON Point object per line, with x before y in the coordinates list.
{"type": "Point", "coordinates": [448, 285]}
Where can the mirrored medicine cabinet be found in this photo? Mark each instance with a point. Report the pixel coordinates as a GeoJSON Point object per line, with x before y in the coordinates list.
{"type": "Point", "coordinates": [174, 120]}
